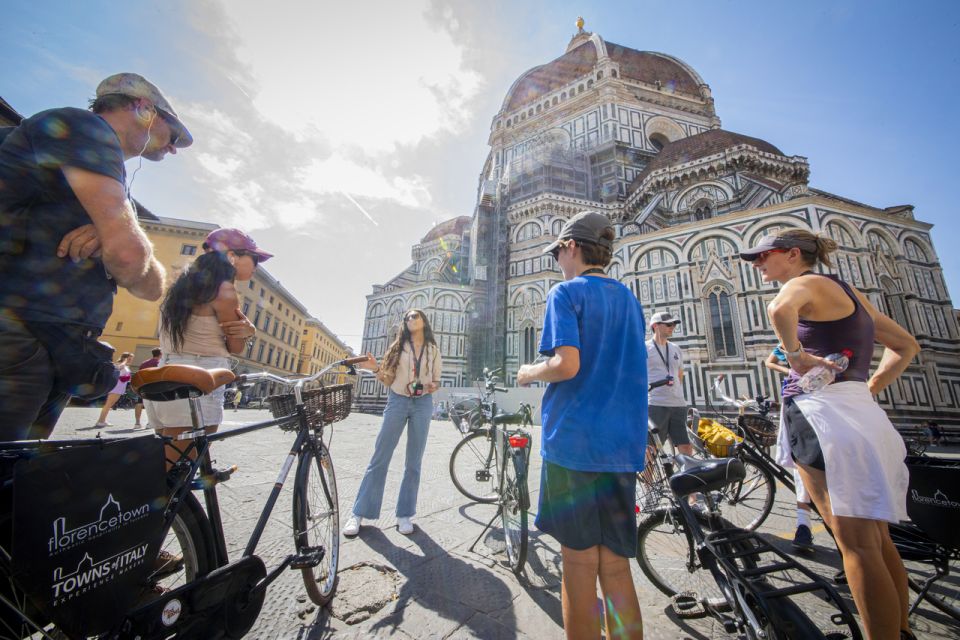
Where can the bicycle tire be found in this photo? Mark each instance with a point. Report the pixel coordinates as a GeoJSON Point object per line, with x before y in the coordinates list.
{"type": "Point", "coordinates": [472, 454]}
{"type": "Point", "coordinates": [665, 549]}
{"type": "Point", "coordinates": [514, 499]}
{"type": "Point", "coordinates": [944, 594]}
{"type": "Point", "coordinates": [747, 503]}
{"type": "Point", "coordinates": [316, 520]}
{"type": "Point", "coordinates": [783, 619]}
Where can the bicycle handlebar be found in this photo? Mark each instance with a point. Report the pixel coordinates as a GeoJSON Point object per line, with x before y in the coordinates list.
{"type": "Point", "coordinates": [298, 383]}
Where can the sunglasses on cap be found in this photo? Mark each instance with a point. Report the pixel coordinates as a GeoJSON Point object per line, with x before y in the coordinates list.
{"type": "Point", "coordinates": [243, 252]}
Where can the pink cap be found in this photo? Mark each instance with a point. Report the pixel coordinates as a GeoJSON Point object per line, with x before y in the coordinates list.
{"type": "Point", "coordinates": [235, 240]}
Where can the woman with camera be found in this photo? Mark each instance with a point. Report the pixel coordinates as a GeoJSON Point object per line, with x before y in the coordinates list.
{"type": "Point", "coordinates": [411, 371]}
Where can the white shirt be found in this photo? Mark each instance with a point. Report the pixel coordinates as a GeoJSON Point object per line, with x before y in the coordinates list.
{"type": "Point", "coordinates": [657, 369]}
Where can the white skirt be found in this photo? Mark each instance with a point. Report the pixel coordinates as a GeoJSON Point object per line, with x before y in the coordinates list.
{"type": "Point", "coordinates": [176, 413]}
{"type": "Point", "coordinates": [862, 452]}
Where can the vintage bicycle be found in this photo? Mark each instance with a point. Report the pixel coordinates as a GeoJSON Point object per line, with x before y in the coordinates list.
{"type": "Point", "coordinates": [90, 565]}
{"type": "Point", "coordinates": [490, 464]}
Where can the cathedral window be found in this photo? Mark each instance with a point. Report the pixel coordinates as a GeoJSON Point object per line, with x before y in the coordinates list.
{"type": "Point", "coordinates": [529, 344]}
{"type": "Point", "coordinates": [723, 333]}
{"type": "Point", "coordinates": [659, 141]}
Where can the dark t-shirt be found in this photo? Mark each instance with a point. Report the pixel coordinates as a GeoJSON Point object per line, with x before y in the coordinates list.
{"type": "Point", "coordinates": [149, 364]}
{"type": "Point", "coordinates": [38, 207]}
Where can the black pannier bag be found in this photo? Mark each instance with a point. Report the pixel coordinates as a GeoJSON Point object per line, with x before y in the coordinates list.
{"type": "Point", "coordinates": [83, 365]}
{"type": "Point", "coordinates": [87, 527]}
{"type": "Point", "coordinates": [933, 499]}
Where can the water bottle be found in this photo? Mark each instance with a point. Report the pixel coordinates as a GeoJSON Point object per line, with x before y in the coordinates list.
{"type": "Point", "coordinates": [820, 376]}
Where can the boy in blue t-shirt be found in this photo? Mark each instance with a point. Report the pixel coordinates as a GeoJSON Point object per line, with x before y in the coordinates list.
{"type": "Point", "coordinates": [594, 428]}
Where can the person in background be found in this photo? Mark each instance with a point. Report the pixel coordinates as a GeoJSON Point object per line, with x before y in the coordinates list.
{"type": "Point", "coordinates": [932, 430]}
{"type": "Point", "coordinates": [201, 325]}
{"type": "Point", "coordinates": [411, 371]}
{"type": "Point", "coordinates": [237, 397]}
{"type": "Point", "coordinates": [153, 361]}
{"type": "Point", "coordinates": [122, 365]}
{"type": "Point", "coordinates": [596, 368]}
{"type": "Point", "coordinates": [803, 536]}
{"type": "Point", "coordinates": [849, 454]}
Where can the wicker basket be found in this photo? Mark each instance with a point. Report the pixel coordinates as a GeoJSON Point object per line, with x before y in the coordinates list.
{"type": "Point", "coordinates": [323, 406]}
{"type": "Point", "coordinates": [467, 414]}
{"type": "Point", "coordinates": [761, 430]}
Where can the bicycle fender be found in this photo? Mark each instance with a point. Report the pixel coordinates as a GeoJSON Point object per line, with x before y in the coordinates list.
{"type": "Point", "coordinates": [520, 462]}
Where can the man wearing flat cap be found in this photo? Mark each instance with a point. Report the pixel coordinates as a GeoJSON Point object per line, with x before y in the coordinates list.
{"type": "Point", "coordinates": [69, 237]}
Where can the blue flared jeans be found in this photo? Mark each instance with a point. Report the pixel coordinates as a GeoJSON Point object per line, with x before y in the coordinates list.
{"type": "Point", "coordinates": [401, 411]}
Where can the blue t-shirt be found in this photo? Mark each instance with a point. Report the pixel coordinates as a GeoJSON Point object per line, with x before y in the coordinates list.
{"type": "Point", "coordinates": [38, 207]}
{"type": "Point", "coordinates": [597, 420]}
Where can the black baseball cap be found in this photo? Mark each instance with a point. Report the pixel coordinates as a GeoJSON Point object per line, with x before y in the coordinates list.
{"type": "Point", "coordinates": [587, 226]}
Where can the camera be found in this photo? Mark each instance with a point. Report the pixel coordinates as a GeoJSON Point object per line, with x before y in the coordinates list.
{"type": "Point", "coordinates": [669, 381]}
{"type": "Point", "coordinates": [416, 388]}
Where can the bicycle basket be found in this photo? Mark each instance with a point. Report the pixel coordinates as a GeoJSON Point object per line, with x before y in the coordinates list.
{"type": "Point", "coordinates": [719, 441]}
{"type": "Point", "coordinates": [467, 415]}
{"type": "Point", "coordinates": [325, 405]}
{"type": "Point", "coordinates": [761, 430]}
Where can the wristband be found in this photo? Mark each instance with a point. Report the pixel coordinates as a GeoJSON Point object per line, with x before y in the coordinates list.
{"type": "Point", "coordinates": [792, 354]}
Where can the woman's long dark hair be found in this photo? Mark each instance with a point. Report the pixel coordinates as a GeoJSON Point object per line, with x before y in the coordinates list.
{"type": "Point", "coordinates": [199, 284]}
{"type": "Point", "coordinates": [392, 360]}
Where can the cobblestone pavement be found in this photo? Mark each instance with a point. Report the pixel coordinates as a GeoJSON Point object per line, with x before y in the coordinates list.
{"type": "Point", "coordinates": [429, 585]}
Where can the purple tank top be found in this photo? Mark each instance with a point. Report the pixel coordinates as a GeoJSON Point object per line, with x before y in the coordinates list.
{"type": "Point", "coordinates": [855, 332]}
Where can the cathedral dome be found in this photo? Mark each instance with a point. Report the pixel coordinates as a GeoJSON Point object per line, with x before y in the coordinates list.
{"type": "Point", "coordinates": [453, 226]}
{"type": "Point", "coordinates": [699, 146]}
{"type": "Point", "coordinates": [585, 52]}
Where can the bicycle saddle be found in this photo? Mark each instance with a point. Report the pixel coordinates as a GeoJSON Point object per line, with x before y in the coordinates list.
{"type": "Point", "coordinates": [508, 418]}
{"type": "Point", "coordinates": [177, 381]}
{"type": "Point", "coordinates": [696, 475]}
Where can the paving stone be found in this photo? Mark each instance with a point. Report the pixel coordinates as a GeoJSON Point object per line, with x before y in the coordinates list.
{"type": "Point", "coordinates": [364, 588]}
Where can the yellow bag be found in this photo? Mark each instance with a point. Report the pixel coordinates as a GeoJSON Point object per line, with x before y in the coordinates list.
{"type": "Point", "coordinates": [718, 439]}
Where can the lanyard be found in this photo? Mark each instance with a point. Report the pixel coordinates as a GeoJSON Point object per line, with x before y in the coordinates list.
{"type": "Point", "coordinates": [660, 353]}
{"type": "Point", "coordinates": [416, 362]}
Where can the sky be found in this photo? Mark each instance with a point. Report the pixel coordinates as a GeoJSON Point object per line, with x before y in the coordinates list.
{"type": "Point", "coordinates": [338, 134]}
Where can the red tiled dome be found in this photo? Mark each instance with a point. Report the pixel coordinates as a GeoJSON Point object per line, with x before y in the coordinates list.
{"type": "Point", "coordinates": [453, 226]}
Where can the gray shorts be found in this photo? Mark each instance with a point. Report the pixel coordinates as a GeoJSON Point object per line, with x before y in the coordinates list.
{"type": "Point", "coordinates": [670, 422]}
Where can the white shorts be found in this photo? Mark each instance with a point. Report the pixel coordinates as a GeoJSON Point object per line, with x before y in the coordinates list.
{"type": "Point", "coordinates": [176, 413]}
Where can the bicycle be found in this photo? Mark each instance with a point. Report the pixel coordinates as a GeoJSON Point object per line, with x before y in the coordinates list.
{"type": "Point", "coordinates": [928, 544]}
{"type": "Point", "coordinates": [118, 590]}
{"type": "Point", "coordinates": [495, 456]}
{"type": "Point", "coordinates": [710, 567]}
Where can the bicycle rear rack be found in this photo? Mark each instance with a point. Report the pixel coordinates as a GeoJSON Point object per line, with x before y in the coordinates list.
{"type": "Point", "coordinates": [751, 559]}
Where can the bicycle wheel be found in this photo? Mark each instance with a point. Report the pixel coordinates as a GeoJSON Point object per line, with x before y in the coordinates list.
{"type": "Point", "coordinates": [944, 592]}
{"type": "Point", "coordinates": [473, 467]}
{"type": "Point", "coordinates": [316, 519]}
{"type": "Point", "coordinates": [191, 537]}
{"type": "Point", "coordinates": [514, 501]}
{"type": "Point", "coordinates": [666, 555]}
{"type": "Point", "coordinates": [746, 504]}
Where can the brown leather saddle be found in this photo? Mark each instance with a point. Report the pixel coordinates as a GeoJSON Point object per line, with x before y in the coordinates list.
{"type": "Point", "coordinates": [179, 381]}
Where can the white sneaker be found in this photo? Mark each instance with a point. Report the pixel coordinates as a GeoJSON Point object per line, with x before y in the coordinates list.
{"type": "Point", "coordinates": [404, 526]}
{"type": "Point", "coordinates": [352, 527]}
{"type": "Point", "coordinates": [103, 424]}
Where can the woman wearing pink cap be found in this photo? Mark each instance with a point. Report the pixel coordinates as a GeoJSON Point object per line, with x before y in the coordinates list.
{"type": "Point", "coordinates": [201, 324]}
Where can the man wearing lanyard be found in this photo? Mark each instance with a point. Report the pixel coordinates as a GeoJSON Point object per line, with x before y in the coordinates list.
{"type": "Point", "coordinates": [667, 406]}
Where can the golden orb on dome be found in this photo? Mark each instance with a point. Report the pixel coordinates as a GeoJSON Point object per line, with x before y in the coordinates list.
{"type": "Point", "coordinates": [580, 23]}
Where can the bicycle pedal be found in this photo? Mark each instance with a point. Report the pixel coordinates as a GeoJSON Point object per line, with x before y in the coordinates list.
{"type": "Point", "coordinates": [218, 476]}
{"type": "Point", "coordinates": [687, 605]}
{"type": "Point", "coordinates": [483, 475]}
{"type": "Point", "coordinates": [309, 559]}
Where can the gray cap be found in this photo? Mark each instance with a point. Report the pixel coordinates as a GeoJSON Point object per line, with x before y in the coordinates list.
{"type": "Point", "coordinates": [766, 243]}
{"type": "Point", "coordinates": [136, 86]}
{"type": "Point", "coordinates": [664, 317]}
{"type": "Point", "coordinates": [587, 226]}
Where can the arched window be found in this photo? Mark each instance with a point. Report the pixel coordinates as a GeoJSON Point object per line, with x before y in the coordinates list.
{"type": "Point", "coordinates": [723, 332]}
{"type": "Point", "coordinates": [893, 299]}
{"type": "Point", "coordinates": [659, 141]}
{"type": "Point", "coordinates": [914, 251]}
{"type": "Point", "coordinates": [529, 344]}
{"type": "Point", "coordinates": [703, 210]}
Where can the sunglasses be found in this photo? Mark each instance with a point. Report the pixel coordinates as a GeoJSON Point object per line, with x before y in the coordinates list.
{"type": "Point", "coordinates": [760, 257]}
{"type": "Point", "coordinates": [411, 316]}
{"type": "Point", "coordinates": [555, 252]}
{"type": "Point", "coordinates": [243, 252]}
{"type": "Point", "coordinates": [174, 134]}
